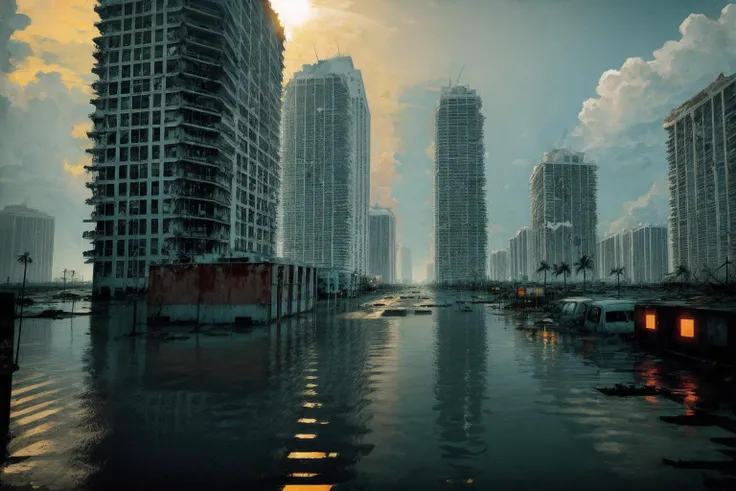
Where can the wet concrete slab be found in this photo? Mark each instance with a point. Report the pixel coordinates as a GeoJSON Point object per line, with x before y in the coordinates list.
{"type": "Point", "coordinates": [347, 398]}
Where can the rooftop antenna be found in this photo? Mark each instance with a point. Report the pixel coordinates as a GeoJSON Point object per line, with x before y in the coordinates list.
{"type": "Point", "coordinates": [315, 53]}
{"type": "Point", "coordinates": [338, 48]}
{"type": "Point", "coordinates": [459, 75]}
{"type": "Point", "coordinates": [563, 139]}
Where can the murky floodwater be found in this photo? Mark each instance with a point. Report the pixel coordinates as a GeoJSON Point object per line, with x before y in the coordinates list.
{"type": "Point", "coordinates": [348, 398]}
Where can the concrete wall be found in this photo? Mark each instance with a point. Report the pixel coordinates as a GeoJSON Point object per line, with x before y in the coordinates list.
{"type": "Point", "coordinates": [222, 293]}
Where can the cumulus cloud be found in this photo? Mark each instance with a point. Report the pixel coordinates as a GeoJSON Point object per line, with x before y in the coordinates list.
{"type": "Point", "coordinates": [643, 92]}
{"type": "Point", "coordinates": [651, 208]}
{"type": "Point", "coordinates": [621, 127]}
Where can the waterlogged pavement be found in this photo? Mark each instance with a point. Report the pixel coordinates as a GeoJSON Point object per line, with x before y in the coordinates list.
{"type": "Point", "coordinates": [348, 399]}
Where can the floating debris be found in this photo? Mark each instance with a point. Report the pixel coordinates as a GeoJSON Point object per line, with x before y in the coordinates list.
{"type": "Point", "coordinates": [422, 312]}
{"type": "Point", "coordinates": [394, 313]}
{"type": "Point", "coordinates": [379, 304]}
{"type": "Point", "coordinates": [621, 390]}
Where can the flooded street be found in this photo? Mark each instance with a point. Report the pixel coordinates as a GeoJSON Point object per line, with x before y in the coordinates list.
{"type": "Point", "coordinates": [348, 398]}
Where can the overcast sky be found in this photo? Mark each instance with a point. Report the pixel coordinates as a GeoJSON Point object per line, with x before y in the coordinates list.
{"type": "Point", "coordinates": [606, 72]}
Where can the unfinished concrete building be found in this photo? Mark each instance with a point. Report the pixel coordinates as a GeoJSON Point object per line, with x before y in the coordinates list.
{"type": "Point", "coordinates": [326, 167]}
{"type": "Point", "coordinates": [461, 236]}
{"type": "Point", "coordinates": [382, 245]}
{"type": "Point", "coordinates": [185, 159]}
{"type": "Point", "coordinates": [563, 207]}
{"type": "Point", "coordinates": [701, 150]}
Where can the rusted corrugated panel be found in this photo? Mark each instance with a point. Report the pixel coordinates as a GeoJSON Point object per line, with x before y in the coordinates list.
{"type": "Point", "coordinates": [236, 284]}
{"type": "Point", "coordinates": [173, 285]}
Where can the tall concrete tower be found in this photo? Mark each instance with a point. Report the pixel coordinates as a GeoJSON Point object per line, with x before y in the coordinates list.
{"type": "Point", "coordinates": [701, 150]}
{"type": "Point", "coordinates": [460, 230]}
{"type": "Point", "coordinates": [326, 167]}
{"type": "Point", "coordinates": [185, 160]}
{"type": "Point", "coordinates": [382, 244]}
{"type": "Point", "coordinates": [564, 209]}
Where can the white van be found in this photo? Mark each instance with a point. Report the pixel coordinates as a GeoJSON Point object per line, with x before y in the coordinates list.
{"type": "Point", "coordinates": [610, 316]}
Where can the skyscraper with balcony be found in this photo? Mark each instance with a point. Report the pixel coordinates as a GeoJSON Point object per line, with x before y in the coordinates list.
{"type": "Point", "coordinates": [701, 151]}
{"type": "Point", "coordinates": [185, 161]}
{"type": "Point", "coordinates": [461, 235]}
{"type": "Point", "coordinates": [326, 167]}
{"type": "Point", "coordinates": [22, 230]}
{"type": "Point", "coordinates": [564, 210]}
{"type": "Point", "coordinates": [382, 244]}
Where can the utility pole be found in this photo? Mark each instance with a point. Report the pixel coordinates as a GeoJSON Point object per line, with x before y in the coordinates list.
{"type": "Point", "coordinates": [72, 273]}
{"type": "Point", "coordinates": [63, 277]}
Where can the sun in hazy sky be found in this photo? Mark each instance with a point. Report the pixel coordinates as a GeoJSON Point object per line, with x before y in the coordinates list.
{"type": "Point", "coordinates": [293, 13]}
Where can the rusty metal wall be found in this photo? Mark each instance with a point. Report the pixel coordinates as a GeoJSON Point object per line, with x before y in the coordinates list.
{"type": "Point", "coordinates": [210, 284]}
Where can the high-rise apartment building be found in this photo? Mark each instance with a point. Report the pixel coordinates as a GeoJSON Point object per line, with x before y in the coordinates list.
{"type": "Point", "coordinates": [461, 235]}
{"type": "Point", "coordinates": [521, 245]}
{"type": "Point", "coordinates": [326, 167]}
{"type": "Point", "coordinates": [563, 207]}
{"type": "Point", "coordinates": [641, 251]}
{"type": "Point", "coordinates": [499, 266]}
{"type": "Point", "coordinates": [22, 230]}
{"type": "Point", "coordinates": [185, 159]}
{"type": "Point", "coordinates": [701, 150]}
{"type": "Point", "coordinates": [649, 254]}
{"type": "Point", "coordinates": [407, 268]}
{"type": "Point", "coordinates": [382, 244]}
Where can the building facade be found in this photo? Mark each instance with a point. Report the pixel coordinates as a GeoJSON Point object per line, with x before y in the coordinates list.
{"type": "Point", "coordinates": [499, 266]}
{"type": "Point", "coordinates": [382, 245]}
{"type": "Point", "coordinates": [461, 236]}
{"type": "Point", "coordinates": [701, 151]}
{"type": "Point", "coordinates": [430, 273]}
{"type": "Point", "coordinates": [185, 160]}
{"type": "Point", "coordinates": [642, 252]}
{"type": "Point", "coordinates": [407, 268]}
{"type": "Point", "coordinates": [521, 266]}
{"type": "Point", "coordinates": [564, 210]}
{"type": "Point", "coordinates": [326, 167]}
{"type": "Point", "coordinates": [22, 230]}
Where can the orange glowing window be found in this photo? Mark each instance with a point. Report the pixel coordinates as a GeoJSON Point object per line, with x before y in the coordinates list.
{"type": "Point", "coordinates": [521, 292]}
{"type": "Point", "coordinates": [650, 321]}
{"type": "Point", "coordinates": [687, 328]}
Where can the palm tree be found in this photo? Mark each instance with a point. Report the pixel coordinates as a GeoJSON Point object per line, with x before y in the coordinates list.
{"type": "Point", "coordinates": [683, 273]}
{"type": "Point", "coordinates": [544, 267]}
{"type": "Point", "coordinates": [619, 272]}
{"type": "Point", "coordinates": [24, 259]}
{"type": "Point", "coordinates": [563, 269]}
{"type": "Point", "coordinates": [584, 264]}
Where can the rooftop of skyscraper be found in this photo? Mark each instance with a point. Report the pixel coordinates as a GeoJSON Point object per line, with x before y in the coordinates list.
{"type": "Point", "coordinates": [24, 210]}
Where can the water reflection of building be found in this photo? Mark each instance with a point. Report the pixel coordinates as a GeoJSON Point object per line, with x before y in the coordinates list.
{"type": "Point", "coordinates": [459, 386]}
{"type": "Point", "coordinates": [282, 405]}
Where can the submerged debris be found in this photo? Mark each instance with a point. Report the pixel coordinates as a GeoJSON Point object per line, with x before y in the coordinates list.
{"type": "Point", "coordinates": [394, 313]}
{"type": "Point", "coordinates": [422, 312]}
{"type": "Point", "coordinates": [379, 304]}
{"type": "Point", "coordinates": [621, 390]}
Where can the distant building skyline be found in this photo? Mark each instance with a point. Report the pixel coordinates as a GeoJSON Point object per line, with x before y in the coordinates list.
{"type": "Point", "coordinates": [382, 244]}
{"type": "Point", "coordinates": [407, 268]}
{"type": "Point", "coordinates": [521, 248]}
{"type": "Point", "coordinates": [326, 166]}
{"type": "Point", "coordinates": [564, 213]}
{"type": "Point", "coordinates": [700, 151]}
{"type": "Point", "coordinates": [23, 229]}
{"type": "Point", "coordinates": [499, 265]}
{"type": "Point", "coordinates": [461, 237]}
{"type": "Point", "coordinates": [642, 251]}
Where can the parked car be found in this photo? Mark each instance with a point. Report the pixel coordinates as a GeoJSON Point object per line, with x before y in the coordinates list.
{"type": "Point", "coordinates": [610, 316]}
{"type": "Point", "coordinates": [571, 311]}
